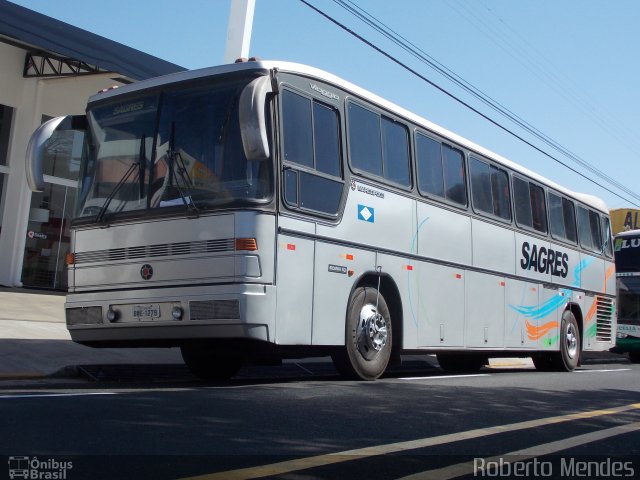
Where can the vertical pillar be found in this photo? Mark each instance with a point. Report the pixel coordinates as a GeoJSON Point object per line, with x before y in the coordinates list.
{"type": "Point", "coordinates": [18, 197]}
{"type": "Point", "coordinates": [239, 29]}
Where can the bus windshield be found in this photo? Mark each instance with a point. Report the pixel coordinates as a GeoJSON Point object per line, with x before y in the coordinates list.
{"type": "Point", "coordinates": [180, 148]}
{"type": "Point", "coordinates": [627, 256]}
{"type": "Point", "coordinates": [629, 300]}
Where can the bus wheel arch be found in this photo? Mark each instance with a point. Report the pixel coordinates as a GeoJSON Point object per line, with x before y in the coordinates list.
{"type": "Point", "coordinates": [571, 336]}
{"type": "Point", "coordinates": [372, 339]}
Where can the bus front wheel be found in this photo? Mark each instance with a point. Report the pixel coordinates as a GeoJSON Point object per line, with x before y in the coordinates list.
{"type": "Point", "coordinates": [634, 357]}
{"type": "Point", "coordinates": [368, 336]}
{"type": "Point", "coordinates": [208, 364]}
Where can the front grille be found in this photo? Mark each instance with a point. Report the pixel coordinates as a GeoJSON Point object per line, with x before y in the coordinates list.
{"type": "Point", "coordinates": [84, 315]}
{"type": "Point", "coordinates": [215, 310]}
{"type": "Point", "coordinates": [159, 250]}
{"type": "Point", "coordinates": [604, 319]}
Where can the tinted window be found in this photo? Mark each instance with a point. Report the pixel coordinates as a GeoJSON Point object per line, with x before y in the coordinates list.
{"type": "Point", "coordinates": [500, 193]}
{"type": "Point", "coordinates": [480, 185]}
{"type": "Point", "coordinates": [429, 160]}
{"type": "Point", "coordinates": [395, 152]}
{"type": "Point", "coordinates": [606, 236]}
{"type": "Point", "coordinates": [319, 194]}
{"type": "Point", "coordinates": [489, 189]}
{"type": "Point", "coordinates": [454, 176]}
{"type": "Point", "coordinates": [589, 229]}
{"type": "Point", "coordinates": [569, 213]}
{"type": "Point", "coordinates": [364, 140]}
{"type": "Point", "coordinates": [327, 139]}
{"type": "Point", "coordinates": [530, 205]}
{"type": "Point", "coordinates": [298, 140]}
{"type": "Point", "coordinates": [562, 218]}
{"type": "Point", "coordinates": [556, 217]}
{"type": "Point", "coordinates": [538, 208]}
{"type": "Point", "coordinates": [311, 133]}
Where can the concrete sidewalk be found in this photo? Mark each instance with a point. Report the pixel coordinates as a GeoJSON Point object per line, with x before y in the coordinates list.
{"type": "Point", "coordinates": [35, 343]}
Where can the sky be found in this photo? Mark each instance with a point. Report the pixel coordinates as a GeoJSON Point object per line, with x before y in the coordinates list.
{"type": "Point", "coordinates": [569, 68]}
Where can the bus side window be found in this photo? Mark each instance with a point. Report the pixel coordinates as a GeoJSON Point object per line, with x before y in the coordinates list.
{"type": "Point", "coordinates": [365, 145]}
{"type": "Point", "coordinates": [429, 160]}
{"type": "Point", "coordinates": [569, 214]}
{"type": "Point", "coordinates": [538, 208]}
{"type": "Point", "coordinates": [454, 176]}
{"type": "Point", "coordinates": [589, 230]}
{"type": "Point", "coordinates": [606, 236]}
{"type": "Point", "coordinates": [489, 189]}
{"type": "Point", "coordinates": [480, 185]}
{"type": "Point", "coordinates": [312, 177]}
{"type": "Point", "coordinates": [395, 143]}
{"type": "Point", "coordinates": [379, 145]}
{"type": "Point", "coordinates": [556, 217]}
{"type": "Point", "coordinates": [562, 218]}
{"type": "Point", "coordinates": [522, 200]}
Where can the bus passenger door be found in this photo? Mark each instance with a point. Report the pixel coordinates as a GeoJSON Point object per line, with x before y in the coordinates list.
{"type": "Point", "coordinates": [294, 280]}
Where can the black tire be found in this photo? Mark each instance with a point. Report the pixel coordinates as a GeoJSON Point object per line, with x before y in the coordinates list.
{"type": "Point", "coordinates": [368, 337]}
{"type": "Point", "coordinates": [634, 357]}
{"type": "Point", "coordinates": [205, 363]}
{"type": "Point", "coordinates": [568, 358]}
{"type": "Point", "coordinates": [453, 363]}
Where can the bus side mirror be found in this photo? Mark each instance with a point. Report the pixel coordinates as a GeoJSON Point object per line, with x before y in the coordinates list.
{"type": "Point", "coordinates": [38, 145]}
{"type": "Point", "coordinates": [253, 125]}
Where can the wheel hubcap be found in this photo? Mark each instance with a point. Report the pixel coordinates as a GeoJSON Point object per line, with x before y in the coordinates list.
{"type": "Point", "coordinates": [572, 341]}
{"type": "Point", "coordinates": [372, 332]}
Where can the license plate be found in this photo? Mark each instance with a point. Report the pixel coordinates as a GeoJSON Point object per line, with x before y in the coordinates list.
{"type": "Point", "coordinates": [143, 312]}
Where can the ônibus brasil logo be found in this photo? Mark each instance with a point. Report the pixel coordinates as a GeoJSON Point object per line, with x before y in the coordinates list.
{"type": "Point", "coordinates": [40, 469]}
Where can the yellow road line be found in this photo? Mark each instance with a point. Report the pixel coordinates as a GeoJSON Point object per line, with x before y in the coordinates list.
{"type": "Point", "coordinates": [289, 466]}
{"type": "Point", "coordinates": [468, 468]}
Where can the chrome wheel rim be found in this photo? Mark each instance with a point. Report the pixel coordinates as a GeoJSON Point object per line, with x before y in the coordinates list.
{"type": "Point", "coordinates": [372, 333]}
{"type": "Point", "coordinates": [571, 341]}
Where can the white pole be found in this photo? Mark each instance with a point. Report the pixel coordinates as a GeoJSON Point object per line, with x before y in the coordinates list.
{"type": "Point", "coordinates": [239, 30]}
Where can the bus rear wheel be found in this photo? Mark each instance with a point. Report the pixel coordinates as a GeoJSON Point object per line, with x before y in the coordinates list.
{"type": "Point", "coordinates": [634, 357]}
{"type": "Point", "coordinates": [207, 364]}
{"type": "Point", "coordinates": [568, 358]}
{"type": "Point", "coordinates": [368, 336]}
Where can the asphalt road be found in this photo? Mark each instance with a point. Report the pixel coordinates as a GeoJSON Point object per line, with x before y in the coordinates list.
{"type": "Point", "coordinates": [414, 423]}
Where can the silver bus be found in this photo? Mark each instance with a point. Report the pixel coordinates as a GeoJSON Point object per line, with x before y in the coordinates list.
{"type": "Point", "coordinates": [264, 210]}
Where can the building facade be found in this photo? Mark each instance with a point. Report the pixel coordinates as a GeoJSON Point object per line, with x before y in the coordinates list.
{"type": "Point", "coordinates": [48, 68]}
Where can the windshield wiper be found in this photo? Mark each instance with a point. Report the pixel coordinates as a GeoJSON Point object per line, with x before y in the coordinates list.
{"type": "Point", "coordinates": [175, 158]}
{"type": "Point", "coordinates": [138, 165]}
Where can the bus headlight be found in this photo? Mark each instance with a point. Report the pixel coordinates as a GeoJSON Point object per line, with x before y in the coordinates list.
{"type": "Point", "coordinates": [112, 315]}
{"type": "Point", "coordinates": [177, 312]}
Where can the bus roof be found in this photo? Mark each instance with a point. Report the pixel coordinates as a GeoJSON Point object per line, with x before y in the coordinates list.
{"type": "Point", "coordinates": [323, 76]}
{"type": "Point", "coordinates": [628, 233]}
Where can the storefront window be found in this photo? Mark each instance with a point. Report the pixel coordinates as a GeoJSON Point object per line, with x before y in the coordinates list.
{"type": "Point", "coordinates": [6, 115]}
{"type": "Point", "coordinates": [3, 189]}
{"type": "Point", "coordinates": [47, 242]}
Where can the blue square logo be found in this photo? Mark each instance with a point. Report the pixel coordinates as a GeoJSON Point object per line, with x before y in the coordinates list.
{"type": "Point", "coordinates": [366, 214]}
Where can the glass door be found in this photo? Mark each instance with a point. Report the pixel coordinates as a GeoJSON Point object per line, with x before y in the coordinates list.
{"type": "Point", "coordinates": [48, 240]}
